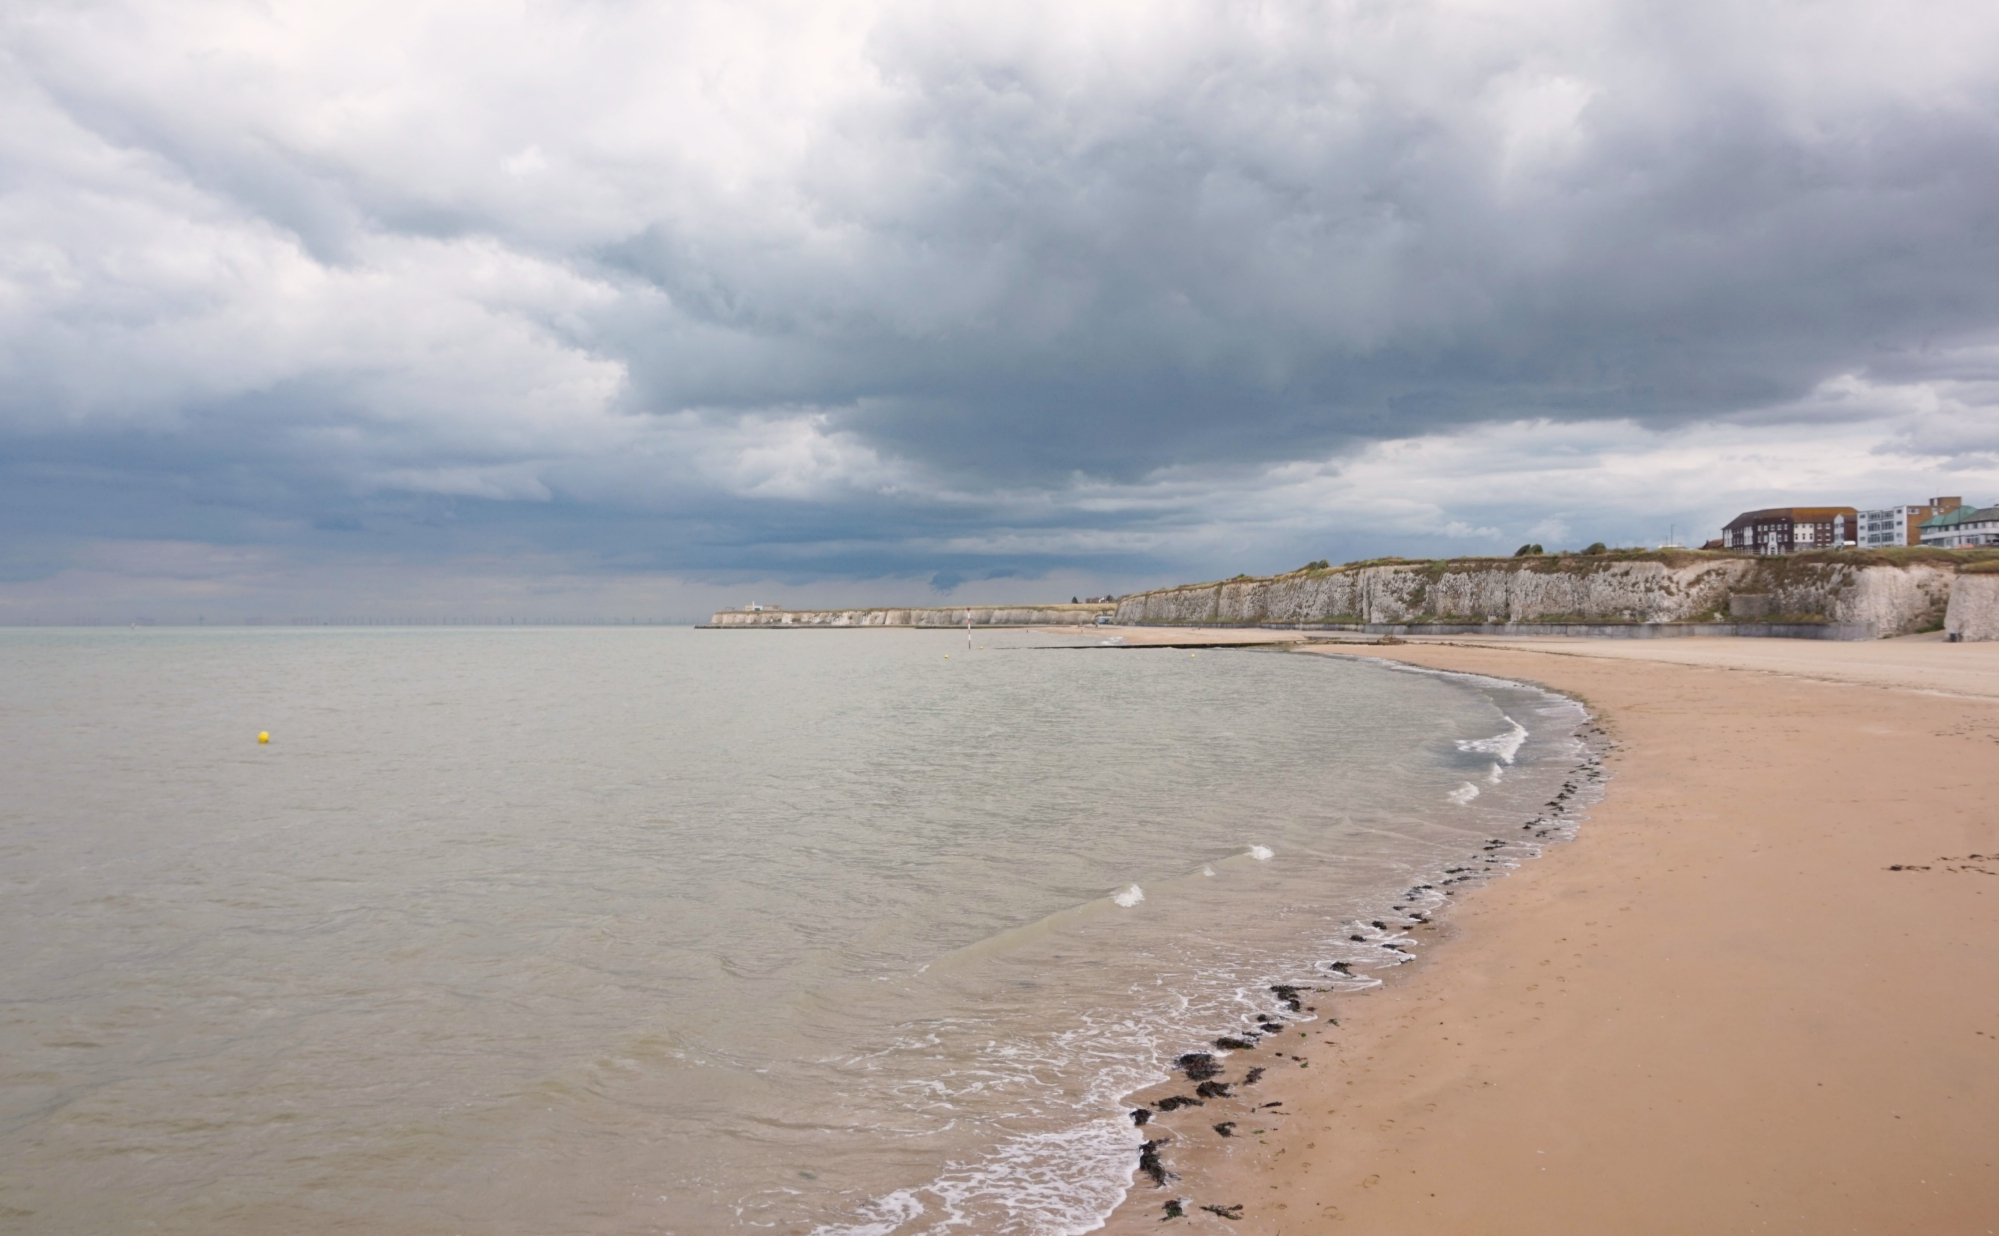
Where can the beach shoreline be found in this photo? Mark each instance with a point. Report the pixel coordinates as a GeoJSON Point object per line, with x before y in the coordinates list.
{"type": "Point", "coordinates": [1759, 989]}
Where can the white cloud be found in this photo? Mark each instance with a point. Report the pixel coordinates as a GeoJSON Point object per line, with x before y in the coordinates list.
{"type": "Point", "coordinates": [1561, 483]}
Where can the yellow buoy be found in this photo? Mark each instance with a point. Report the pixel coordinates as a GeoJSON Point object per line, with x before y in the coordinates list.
{"type": "Point", "coordinates": [263, 735]}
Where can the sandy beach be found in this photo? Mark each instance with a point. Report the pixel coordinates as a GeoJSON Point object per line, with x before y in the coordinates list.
{"type": "Point", "coordinates": [1760, 991]}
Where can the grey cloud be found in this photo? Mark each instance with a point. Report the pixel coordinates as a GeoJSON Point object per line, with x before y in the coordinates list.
{"type": "Point", "coordinates": [1272, 249]}
{"type": "Point", "coordinates": [855, 289]}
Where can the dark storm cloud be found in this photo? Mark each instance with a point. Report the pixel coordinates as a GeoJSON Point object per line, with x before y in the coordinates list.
{"type": "Point", "coordinates": [1279, 242]}
{"type": "Point", "coordinates": [955, 292]}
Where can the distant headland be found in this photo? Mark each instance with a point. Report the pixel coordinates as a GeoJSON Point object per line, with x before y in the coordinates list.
{"type": "Point", "coordinates": [907, 616]}
{"type": "Point", "coordinates": [1828, 594]}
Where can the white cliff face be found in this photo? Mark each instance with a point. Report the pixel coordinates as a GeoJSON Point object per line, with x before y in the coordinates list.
{"type": "Point", "coordinates": [1894, 599]}
{"type": "Point", "coordinates": [1974, 608]}
{"type": "Point", "coordinates": [1890, 599]}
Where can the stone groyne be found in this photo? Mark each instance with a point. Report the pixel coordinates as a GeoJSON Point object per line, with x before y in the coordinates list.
{"type": "Point", "coordinates": [953, 616]}
{"type": "Point", "coordinates": [1841, 595]}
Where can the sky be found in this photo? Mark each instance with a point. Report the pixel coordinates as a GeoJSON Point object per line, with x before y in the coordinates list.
{"type": "Point", "coordinates": [621, 309]}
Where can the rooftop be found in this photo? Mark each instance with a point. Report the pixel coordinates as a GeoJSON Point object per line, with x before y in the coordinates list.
{"type": "Point", "coordinates": [1796, 514]}
{"type": "Point", "coordinates": [1966, 514]}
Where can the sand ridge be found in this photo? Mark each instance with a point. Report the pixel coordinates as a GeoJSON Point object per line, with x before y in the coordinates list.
{"type": "Point", "coordinates": [1760, 991]}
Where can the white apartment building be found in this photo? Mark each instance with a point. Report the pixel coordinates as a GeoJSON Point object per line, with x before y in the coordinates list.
{"type": "Point", "coordinates": [1900, 525]}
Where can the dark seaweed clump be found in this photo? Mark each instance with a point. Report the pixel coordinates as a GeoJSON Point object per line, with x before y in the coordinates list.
{"type": "Point", "coordinates": [1289, 996]}
{"type": "Point", "coordinates": [1175, 1102]}
{"type": "Point", "coordinates": [1200, 1066]}
{"type": "Point", "coordinates": [1229, 1042]}
{"type": "Point", "coordinates": [1149, 1164]}
{"type": "Point", "coordinates": [1141, 1115]}
{"type": "Point", "coordinates": [1212, 1090]}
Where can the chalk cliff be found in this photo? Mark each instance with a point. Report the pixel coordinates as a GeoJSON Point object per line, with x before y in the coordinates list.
{"type": "Point", "coordinates": [1846, 594]}
{"type": "Point", "coordinates": [1974, 607]}
{"type": "Point", "coordinates": [1885, 594]}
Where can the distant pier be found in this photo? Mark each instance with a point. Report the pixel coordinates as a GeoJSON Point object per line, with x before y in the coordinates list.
{"type": "Point", "coordinates": [942, 617]}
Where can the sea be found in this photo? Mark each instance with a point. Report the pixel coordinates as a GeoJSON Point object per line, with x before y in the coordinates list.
{"type": "Point", "coordinates": [663, 930]}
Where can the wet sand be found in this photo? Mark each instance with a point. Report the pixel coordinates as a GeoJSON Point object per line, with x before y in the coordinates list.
{"type": "Point", "coordinates": [1721, 1008]}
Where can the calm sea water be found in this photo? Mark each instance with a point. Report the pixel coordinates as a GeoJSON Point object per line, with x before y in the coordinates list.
{"type": "Point", "coordinates": [655, 930]}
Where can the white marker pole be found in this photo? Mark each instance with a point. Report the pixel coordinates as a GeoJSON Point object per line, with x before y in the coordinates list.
{"type": "Point", "coordinates": [968, 630]}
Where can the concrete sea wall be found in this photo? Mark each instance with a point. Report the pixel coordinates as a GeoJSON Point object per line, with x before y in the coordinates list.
{"type": "Point", "coordinates": [1849, 595]}
{"type": "Point", "coordinates": [980, 615]}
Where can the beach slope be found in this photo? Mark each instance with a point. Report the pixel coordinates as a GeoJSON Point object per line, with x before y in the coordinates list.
{"type": "Point", "coordinates": [1759, 993]}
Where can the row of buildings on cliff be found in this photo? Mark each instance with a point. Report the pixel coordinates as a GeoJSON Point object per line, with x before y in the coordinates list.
{"type": "Point", "coordinates": [1944, 523]}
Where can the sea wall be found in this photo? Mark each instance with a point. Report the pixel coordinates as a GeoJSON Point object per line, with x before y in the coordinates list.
{"type": "Point", "coordinates": [980, 616]}
{"type": "Point", "coordinates": [1974, 607]}
{"type": "Point", "coordinates": [1855, 593]}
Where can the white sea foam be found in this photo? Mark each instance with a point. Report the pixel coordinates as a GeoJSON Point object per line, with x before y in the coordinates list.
{"type": "Point", "coordinates": [1043, 1183]}
{"type": "Point", "coordinates": [1262, 853]}
{"type": "Point", "coordinates": [1208, 871]}
{"type": "Point", "coordinates": [1494, 775]}
{"type": "Point", "coordinates": [1463, 794]}
{"type": "Point", "coordinates": [1054, 1181]}
{"type": "Point", "coordinates": [1130, 897]}
{"type": "Point", "coordinates": [1505, 746]}
{"type": "Point", "coordinates": [879, 1216]}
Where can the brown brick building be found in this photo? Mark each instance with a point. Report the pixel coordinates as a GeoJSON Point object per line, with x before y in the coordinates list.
{"type": "Point", "coordinates": [1790, 529]}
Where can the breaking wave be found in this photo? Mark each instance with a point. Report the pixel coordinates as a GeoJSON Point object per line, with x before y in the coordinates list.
{"type": "Point", "coordinates": [1505, 746]}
